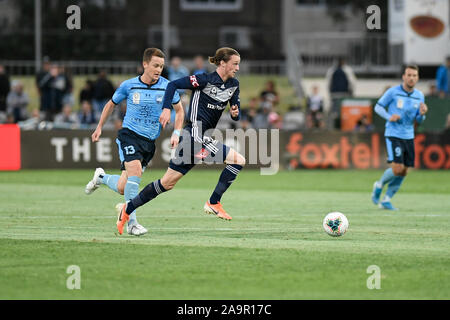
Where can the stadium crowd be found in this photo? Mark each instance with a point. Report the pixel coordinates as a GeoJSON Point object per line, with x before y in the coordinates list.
{"type": "Point", "coordinates": [59, 107]}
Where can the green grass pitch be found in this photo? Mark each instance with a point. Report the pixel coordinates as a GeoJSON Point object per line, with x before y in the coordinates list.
{"type": "Point", "coordinates": [274, 248]}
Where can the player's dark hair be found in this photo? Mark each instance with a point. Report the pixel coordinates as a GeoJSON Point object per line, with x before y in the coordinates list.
{"type": "Point", "coordinates": [150, 52]}
{"type": "Point", "coordinates": [410, 66]}
{"type": "Point", "coordinates": [224, 54]}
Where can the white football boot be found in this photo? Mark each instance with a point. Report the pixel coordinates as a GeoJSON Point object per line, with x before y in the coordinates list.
{"type": "Point", "coordinates": [136, 230]}
{"type": "Point", "coordinates": [95, 182]}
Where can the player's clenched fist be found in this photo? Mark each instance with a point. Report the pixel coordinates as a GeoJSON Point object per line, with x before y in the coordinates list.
{"type": "Point", "coordinates": [423, 108]}
{"type": "Point", "coordinates": [394, 117]}
{"type": "Point", "coordinates": [234, 111]}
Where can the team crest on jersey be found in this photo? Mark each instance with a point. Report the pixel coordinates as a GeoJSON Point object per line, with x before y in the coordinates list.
{"type": "Point", "coordinates": [230, 92]}
{"type": "Point", "coordinates": [136, 98]}
{"type": "Point", "coordinates": [399, 103]}
{"type": "Point", "coordinates": [416, 105]}
{"type": "Point", "coordinates": [159, 98]}
{"type": "Point", "coordinates": [214, 91]}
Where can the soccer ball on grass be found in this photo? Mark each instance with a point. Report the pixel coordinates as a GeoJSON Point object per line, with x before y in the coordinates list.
{"type": "Point", "coordinates": [335, 224]}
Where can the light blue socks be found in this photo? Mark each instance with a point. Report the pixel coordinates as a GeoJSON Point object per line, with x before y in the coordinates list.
{"type": "Point", "coordinates": [387, 176]}
{"type": "Point", "coordinates": [111, 181]}
{"type": "Point", "coordinates": [131, 191]}
{"type": "Point", "coordinates": [394, 185]}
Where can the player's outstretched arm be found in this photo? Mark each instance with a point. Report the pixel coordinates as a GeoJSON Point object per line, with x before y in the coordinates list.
{"type": "Point", "coordinates": [179, 119]}
{"type": "Point", "coordinates": [107, 110]}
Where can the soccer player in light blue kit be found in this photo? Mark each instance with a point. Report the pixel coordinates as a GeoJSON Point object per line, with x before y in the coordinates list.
{"type": "Point", "coordinates": [141, 127]}
{"type": "Point", "coordinates": [405, 105]}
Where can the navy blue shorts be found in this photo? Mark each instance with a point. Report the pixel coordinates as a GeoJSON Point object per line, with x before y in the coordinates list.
{"type": "Point", "coordinates": [190, 152]}
{"type": "Point", "coordinates": [400, 151]}
{"type": "Point", "coordinates": [133, 146]}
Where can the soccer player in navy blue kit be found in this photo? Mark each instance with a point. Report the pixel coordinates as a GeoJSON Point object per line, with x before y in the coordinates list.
{"type": "Point", "coordinates": [211, 93]}
{"type": "Point", "coordinates": [141, 126]}
{"type": "Point", "coordinates": [405, 105]}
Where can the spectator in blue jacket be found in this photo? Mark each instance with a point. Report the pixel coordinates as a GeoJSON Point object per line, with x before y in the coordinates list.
{"type": "Point", "coordinates": [443, 79]}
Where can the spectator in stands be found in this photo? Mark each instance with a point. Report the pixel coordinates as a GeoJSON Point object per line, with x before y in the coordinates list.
{"type": "Point", "coordinates": [176, 71]}
{"type": "Point", "coordinates": [67, 97]}
{"type": "Point", "coordinates": [432, 91]}
{"type": "Point", "coordinates": [9, 118]}
{"type": "Point", "coordinates": [4, 88]}
{"type": "Point", "coordinates": [249, 113]}
{"type": "Point", "coordinates": [314, 105]}
{"type": "Point", "coordinates": [261, 119]}
{"type": "Point", "coordinates": [66, 119]}
{"type": "Point", "coordinates": [86, 93]}
{"type": "Point", "coordinates": [42, 85]}
{"type": "Point", "coordinates": [443, 79]}
{"type": "Point", "coordinates": [103, 90]}
{"type": "Point", "coordinates": [199, 65]}
{"type": "Point", "coordinates": [341, 84]}
{"type": "Point", "coordinates": [269, 95]}
{"type": "Point", "coordinates": [294, 119]}
{"type": "Point", "coordinates": [31, 123]}
{"type": "Point", "coordinates": [17, 102]}
{"type": "Point", "coordinates": [86, 115]}
{"type": "Point", "coordinates": [275, 120]}
{"type": "Point", "coordinates": [364, 125]}
{"type": "Point", "coordinates": [52, 86]}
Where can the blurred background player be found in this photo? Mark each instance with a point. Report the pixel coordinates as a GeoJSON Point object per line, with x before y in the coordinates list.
{"type": "Point", "coordinates": [141, 127]}
{"type": "Point", "coordinates": [404, 105]}
{"type": "Point", "coordinates": [210, 95]}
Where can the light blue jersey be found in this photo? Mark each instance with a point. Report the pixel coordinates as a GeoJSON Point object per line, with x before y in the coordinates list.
{"type": "Point", "coordinates": [406, 104]}
{"type": "Point", "coordinates": [144, 105]}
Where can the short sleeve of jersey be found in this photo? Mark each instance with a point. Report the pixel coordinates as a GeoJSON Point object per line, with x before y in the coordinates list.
{"type": "Point", "coordinates": [386, 98]}
{"type": "Point", "coordinates": [120, 94]}
{"type": "Point", "coordinates": [176, 98]}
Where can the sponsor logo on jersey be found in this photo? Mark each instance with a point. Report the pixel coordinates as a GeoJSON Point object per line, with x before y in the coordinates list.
{"type": "Point", "coordinates": [194, 81]}
{"type": "Point", "coordinates": [136, 98]}
{"type": "Point", "coordinates": [400, 103]}
{"type": "Point", "coordinates": [215, 106]}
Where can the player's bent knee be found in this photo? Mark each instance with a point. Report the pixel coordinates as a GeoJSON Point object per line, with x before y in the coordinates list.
{"type": "Point", "coordinates": [241, 160]}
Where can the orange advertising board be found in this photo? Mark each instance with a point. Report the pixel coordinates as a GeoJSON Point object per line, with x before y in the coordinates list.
{"type": "Point", "coordinates": [352, 111]}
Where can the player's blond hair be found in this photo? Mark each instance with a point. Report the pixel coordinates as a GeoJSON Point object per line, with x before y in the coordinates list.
{"type": "Point", "coordinates": [224, 54]}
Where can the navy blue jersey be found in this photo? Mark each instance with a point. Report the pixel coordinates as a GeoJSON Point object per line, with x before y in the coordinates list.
{"type": "Point", "coordinates": [210, 96]}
